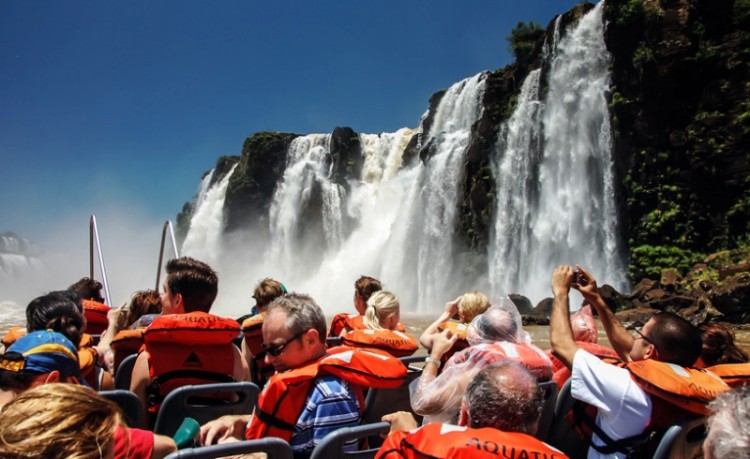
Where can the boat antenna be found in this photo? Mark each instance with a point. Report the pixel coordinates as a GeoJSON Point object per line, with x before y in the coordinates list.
{"type": "Point", "coordinates": [94, 243]}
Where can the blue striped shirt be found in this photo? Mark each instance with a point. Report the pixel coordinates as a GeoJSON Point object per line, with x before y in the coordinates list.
{"type": "Point", "coordinates": [331, 404]}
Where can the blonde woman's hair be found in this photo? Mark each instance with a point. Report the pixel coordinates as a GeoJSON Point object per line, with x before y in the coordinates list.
{"type": "Point", "coordinates": [56, 420]}
{"type": "Point", "coordinates": [472, 304]}
{"type": "Point", "coordinates": [381, 305]}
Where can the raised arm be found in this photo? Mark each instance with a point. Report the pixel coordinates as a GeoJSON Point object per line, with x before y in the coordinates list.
{"type": "Point", "coordinates": [561, 335]}
{"type": "Point", "coordinates": [434, 392]}
{"type": "Point", "coordinates": [450, 310]}
{"type": "Point", "coordinates": [621, 340]}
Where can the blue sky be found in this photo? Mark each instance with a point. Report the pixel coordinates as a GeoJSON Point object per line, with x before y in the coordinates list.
{"type": "Point", "coordinates": [110, 107]}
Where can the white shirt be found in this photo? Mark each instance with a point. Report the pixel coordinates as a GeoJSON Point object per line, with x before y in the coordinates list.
{"type": "Point", "coordinates": [624, 409]}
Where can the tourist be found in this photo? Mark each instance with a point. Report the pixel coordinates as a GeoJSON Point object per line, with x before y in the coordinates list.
{"type": "Point", "coordinates": [624, 398]}
{"type": "Point", "coordinates": [728, 434]}
{"type": "Point", "coordinates": [186, 337]}
{"type": "Point", "coordinates": [381, 320]}
{"type": "Point", "coordinates": [364, 287]}
{"type": "Point", "coordinates": [265, 292]}
{"type": "Point", "coordinates": [500, 412]}
{"type": "Point", "coordinates": [494, 336]}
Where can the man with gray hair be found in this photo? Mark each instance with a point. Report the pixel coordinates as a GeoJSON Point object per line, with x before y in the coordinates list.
{"type": "Point", "coordinates": [729, 427]}
{"type": "Point", "coordinates": [499, 415]}
{"type": "Point", "coordinates": [308, 405]}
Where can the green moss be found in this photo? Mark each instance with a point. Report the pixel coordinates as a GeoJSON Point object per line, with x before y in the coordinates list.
{"type": "Point", "coordinates": [649, 260]}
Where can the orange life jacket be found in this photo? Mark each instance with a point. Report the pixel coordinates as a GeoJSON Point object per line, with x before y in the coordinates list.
{"type": "Point", "coordinates": [527, 355]}
{"type": "Point", "coordinates": [562, 373]}
{"type": "Point", "coordinates": [182, 349]}
{"type": "Point", "coordinates": [448, 441]}
{"type": "Point", "coordinates": [96, 316]}
{"type": "Point", "coordinates": [688, 388]}
{"type": "Point", "coordinates": [252, 329]}
{"type": "Point", "coordinates": [283, 398]}
{"type": "Point", "coordinates": [126, 343]}
{"type": "Point", "coordinates": [396, 343]}
{"type": "Point", "coordinates": [734, 374]}
{"type": "Point", "coordinates": [349, 322]}
{"type": "Point", "coordinates": [13, 335]}
{"type": "Point", "coordinates": [676, 392]}
{"type": "Point", "coordinates": [456, 328]}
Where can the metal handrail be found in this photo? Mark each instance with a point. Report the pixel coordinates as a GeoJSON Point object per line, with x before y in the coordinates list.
{"type": "Point", "coordinates": [95, 243]}
{"type": "Point", "coordinates": [167, 226]}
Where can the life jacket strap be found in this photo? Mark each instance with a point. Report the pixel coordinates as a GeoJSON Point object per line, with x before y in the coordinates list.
{"type": "Point", "coordinates": [272, 421]}
{"type": "Point", "coordinates": [630, 446]}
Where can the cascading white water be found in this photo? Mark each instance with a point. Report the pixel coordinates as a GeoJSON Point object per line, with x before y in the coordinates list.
{"type": "Point", "coordinates": [293, 233]}
{"type": "Point", "coordinates": [440, 181]}
{"type": "Point", "coordinates": [519, 149]}
{"type": "Point", "coordinates": [203, 240]}
{"type": "Point", "coordinates": [18, 258]}
{"type": "Point", "coordinates": [397, 223]}
{"type": "Point", "coordinates": [573, 219]}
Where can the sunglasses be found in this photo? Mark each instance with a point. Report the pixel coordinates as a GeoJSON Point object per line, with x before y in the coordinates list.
{"type": "Point", "coordinates": [275, 350]}
{"type": "Point", "coordinates": [639, 331]}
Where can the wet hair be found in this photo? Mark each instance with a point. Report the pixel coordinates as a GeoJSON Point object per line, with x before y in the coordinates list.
{"type": "Point", "coordinates": [729, 427]}
{"type": "Point", "coordinates": [365, 286]}
{"type": "Point", "coordinates": [57, 312]}
{"type": "Point", "coordinates": [195, 281]}
{"type": "Point", "coordinates": [676, 340]}
{"type": "Point", "coordinates": [718, 345]}
{"type": "Point", "coordinates": [381, 305]}
{"type": "Point", "coordinates": [89, 289]}
{"type": "Point", "coordinates": [472, 304]}
{"type": "Point", "coordinates": [266, 291]}
{"type": "Point", "coordinates": [302, 312]}
{"type": "Point", "coordinates": [504, 396]}
{"type": "Point", "coordinates": [142, 302]}
{"type": "Point", "coordinates": [58, 421]}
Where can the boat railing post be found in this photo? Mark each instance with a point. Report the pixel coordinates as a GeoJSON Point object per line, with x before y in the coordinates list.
{"type": "Point", "coordinates": [167, 229]}
{"type": "Point", "coordinates": [94, 243]}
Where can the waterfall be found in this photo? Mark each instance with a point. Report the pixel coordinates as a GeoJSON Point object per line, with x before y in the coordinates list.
{"type": "Point", "coordinates": [203, 240]}
{"type": "Point", "coordinates": [397, 221]}
{"type": "Point", "coordinates": [18, 258]}
{"type": "Point", "coordinates": [568, 215]}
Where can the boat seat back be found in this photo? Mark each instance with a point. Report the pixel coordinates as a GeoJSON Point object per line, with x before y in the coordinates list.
{"type": "Point", "coordinates": [204, 403]}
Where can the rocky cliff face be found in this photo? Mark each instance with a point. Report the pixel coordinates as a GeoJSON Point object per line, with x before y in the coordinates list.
{"type": "Point", "coordinates": [680, 105]}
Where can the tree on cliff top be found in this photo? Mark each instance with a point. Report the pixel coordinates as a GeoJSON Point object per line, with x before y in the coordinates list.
{"type": "Point", "coordinates": [522, 40]}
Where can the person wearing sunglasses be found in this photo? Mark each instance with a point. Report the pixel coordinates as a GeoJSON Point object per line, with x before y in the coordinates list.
{"type": "Point", "coordinates": [294, 340]}
{"type": "Point", "coordinates": [624, 395]}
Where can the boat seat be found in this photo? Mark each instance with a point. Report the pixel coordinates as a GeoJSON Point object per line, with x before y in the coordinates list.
{"type": "Point", "coordinates": [130, 404]}
{"type": "Point", "coordinates": [549, 395]}
{"type": "Point", "coordinates": [332, 445]}
{"type": "Point", "coordinates": [683, 440]}
{"type": "Point", "coordinates": [125, 372]}
{"type": "Point", "coordinates": [275, 448]}
{"type": "Point", "coordinates": [190, 401]}
{"type": "Point", "coordinates": [561, 434]}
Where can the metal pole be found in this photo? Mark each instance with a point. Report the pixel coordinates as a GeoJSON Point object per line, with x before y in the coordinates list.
{"type": "Point", "coordinates": [95, 239]}
{"type": "Point", "coordinates": [166, 229]}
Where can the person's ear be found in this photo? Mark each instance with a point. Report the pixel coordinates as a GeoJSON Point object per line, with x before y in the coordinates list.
{"type": "Point", "coordinates": [651, 352]}
{"type": "Point", "coordinates": [311, 337]}
{"type": "Point", "coordinates": [179, 303]}
{"type": "Point", "coordinates": [47, 378]}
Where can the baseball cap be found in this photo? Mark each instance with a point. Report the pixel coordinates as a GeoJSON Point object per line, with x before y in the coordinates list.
{"type": "Point", "coordinates": [42, 352]}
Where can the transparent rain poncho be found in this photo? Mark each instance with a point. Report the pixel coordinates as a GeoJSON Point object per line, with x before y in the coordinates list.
{"type": "Point", "coordinates": [439, 399]}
